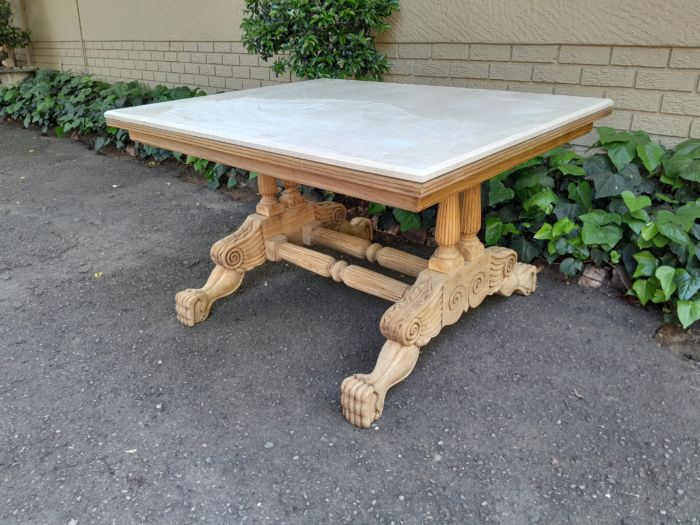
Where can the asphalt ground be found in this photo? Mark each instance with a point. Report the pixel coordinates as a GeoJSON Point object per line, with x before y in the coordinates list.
{"type": "Point", "coordinates": [555, 408]}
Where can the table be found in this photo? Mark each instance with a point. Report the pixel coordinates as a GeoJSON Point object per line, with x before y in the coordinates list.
{"type": "Point", "coordinates": [402, 145]}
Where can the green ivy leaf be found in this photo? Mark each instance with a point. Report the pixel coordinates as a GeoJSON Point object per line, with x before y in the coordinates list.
{"type": "Point", "coordinates": [601, 228]}
{"type": "Point", "coordinates": [571, 169]}
{"type": "Point", "coordinates": [498, 192]}
{"type": "Point", "coordinates": [525, 249]}
{"type": "Point", "coordinates": [375, 208]}
{"type": "Point", "coordinates": [687, 283]}
{"type": "Point", "coordinates": [563, 227]}
{"type": "Point", "coordinates": [494, 226]}
{"type": "Point", "coordinates": [665, 198]}
{"type": "Point", "coordinates": [495, 230]}
{"type": "Point", "coordinates": [640, 215]}
{"type": "Point", "coordinates": [648, 231]}
{"type": "Point", "coordinates": [611, 185]}
{"type": "Point", "coordinates": [609, 135]}
{"type": "Point", "coordinates": [408, 220]}
{"type": "Point", "coordinates": [689, 147]}
{"type": "Point", "coordinates": [597, 165]}
{"type": "Point", "coordinates": [660, 241]}
{"type": "Point", "coordinates": [604, 235]}
{"type": "Point", "coordinates": [689, 213]}
{"type": "Point", "coordinates": [565, 208]}
{"type": "Point", "coordinates": [672, 227]}
{"type": "Point", "coordinates": [560, 155]}
{"type": "Point", "coordinates": [543, 200]}
{"type": "Point", "coordinates": [674, 182]}
{"type": "Point", "coordinates": [622, 154]}
{"type": "Point", "coordinates": [635, 203]}
{"type": "Point", "coordinates": [688, 311]}
{"type": "Point", "coordinates": [560, 246]}
{"type": "Point", "coordinates": [100, 143]}
{"type": "Point", "coordinates": [695, 230]}
{"type": "Point", "coordinates": [644, 289]}
{"type": "Point", "coordinates": [650, 154]}
{"type": "Point", "coordinates": [534, 178]}
{"type": "Point", "coordinates": [683, 166]}
{"type": "Point", "coordinates": [544, 233]}
{"type": "Point", "coordinates": [665, 275]}
{"type": "Point", "coordinates": [646, 264]}
{"type": "Point", "coordinates": [570, 266]}
{"type": "Point", "coordinates": [636, 225]}
{"type": "Point", "coordinates": [581, 194]}
{"type": "Point", "coordinates": [601, 217]}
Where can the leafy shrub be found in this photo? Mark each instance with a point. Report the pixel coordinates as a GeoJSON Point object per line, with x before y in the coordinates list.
{"type": "Point", "coordinates": [638, 204]}
{"type": "Point", "coordinates": [319, 38]}
{"type": "Point", "coordinates": [76, 104]}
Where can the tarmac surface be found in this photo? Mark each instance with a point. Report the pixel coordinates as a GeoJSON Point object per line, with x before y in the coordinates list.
{"type": "Point", "coordinates": [555, 408]}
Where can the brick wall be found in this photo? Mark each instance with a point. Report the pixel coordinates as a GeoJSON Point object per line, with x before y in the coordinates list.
{"type": "Point", "coordinates": [211, 66]}
{"type": "Point", "coordinates": [58, 55]}
{"type": "Point", "coordinates": [655, 89]}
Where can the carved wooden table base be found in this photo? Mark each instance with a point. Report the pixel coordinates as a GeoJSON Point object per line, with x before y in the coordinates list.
{"type": "Point", "coordinates": [459, 275]}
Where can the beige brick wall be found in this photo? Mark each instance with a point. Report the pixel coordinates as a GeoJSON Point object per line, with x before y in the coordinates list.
{"type": "Point", "coordinates": [655, 89]}
{"type": "Point", "coordinates": [211, 66]}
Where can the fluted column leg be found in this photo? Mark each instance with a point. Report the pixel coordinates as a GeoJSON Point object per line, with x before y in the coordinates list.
{"type": "Point", "coordinates": [447, 257]}
{"type": "Point", "coordinates": [268, 205]}
{"type": "Point", "coordinates": [469, 244]}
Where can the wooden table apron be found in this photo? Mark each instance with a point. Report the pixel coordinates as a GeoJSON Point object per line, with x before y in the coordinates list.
{"type": "Point", "coordinates": [459, 275]}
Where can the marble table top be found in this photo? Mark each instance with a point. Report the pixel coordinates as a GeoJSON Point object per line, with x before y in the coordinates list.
{"type": "Point", "coordinates": [406, 131]}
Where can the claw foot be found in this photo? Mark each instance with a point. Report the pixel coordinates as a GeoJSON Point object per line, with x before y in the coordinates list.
{"type": "Point", "coordinates": [362, 395]}
{"type": "Point", "coordinates": [192, 306]}
{"type": "Point", "coordinates": [522, 281]}
{"type": "Point", "coordinates": [362, 403]}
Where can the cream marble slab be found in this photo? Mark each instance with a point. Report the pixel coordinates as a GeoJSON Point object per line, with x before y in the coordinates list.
{"type": "Point", "coordinates": [410, 132]}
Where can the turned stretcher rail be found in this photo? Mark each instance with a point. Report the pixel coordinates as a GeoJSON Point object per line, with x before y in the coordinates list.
{"type": "Point", "coordinates": [391, 258]}
{"type": "Point", "coordinates": [279, 249]}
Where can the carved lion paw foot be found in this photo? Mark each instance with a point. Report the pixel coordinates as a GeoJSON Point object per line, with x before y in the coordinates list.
{"type": "Point", "coordinates": [192, 306]}
{"type": "Point", "coordinates": [522, 281]}
{"type": "Point", "coordinates": [362, 403]}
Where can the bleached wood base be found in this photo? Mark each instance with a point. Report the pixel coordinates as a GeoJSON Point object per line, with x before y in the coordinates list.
{"type": "Point", "coordinates": [435, 300]}
{"type": "Point", "coordinates": [459, 276]}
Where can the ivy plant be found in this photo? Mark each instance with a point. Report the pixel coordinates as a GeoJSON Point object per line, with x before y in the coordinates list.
{"type": "Point", "coordinates": [635, 206]}
{"type": "Point", "coordinates": [319, 38]}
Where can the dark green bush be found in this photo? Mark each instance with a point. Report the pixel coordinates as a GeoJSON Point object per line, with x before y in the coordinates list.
{"type": "Point", "coordinates": [319, 38]}
{"type": "Point", "coordinates": [636, 206]}
{"type": "Point", "coordinates": [75, 104]}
